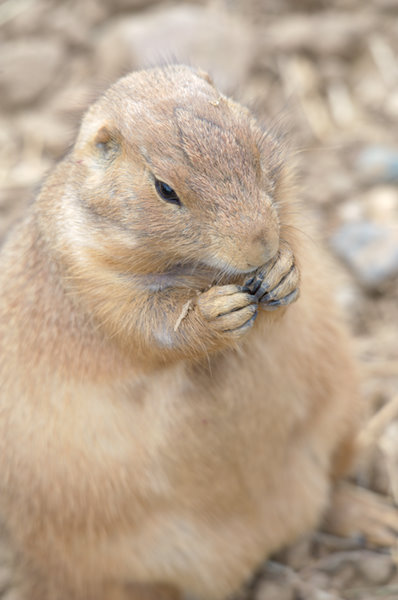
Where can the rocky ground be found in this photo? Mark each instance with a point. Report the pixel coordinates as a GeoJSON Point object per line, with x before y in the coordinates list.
{"type": "Point", "coordinates": [327, 74]}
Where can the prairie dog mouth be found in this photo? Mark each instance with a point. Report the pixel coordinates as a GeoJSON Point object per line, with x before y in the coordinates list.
{"type": "Point", "coordinates": [230, 270]}
{"type": "Point", "coordinates": [198, 276]}
{"type": "Point", "coordinates": [180, 275]}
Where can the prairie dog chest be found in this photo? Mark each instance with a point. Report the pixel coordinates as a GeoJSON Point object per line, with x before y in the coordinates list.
{"type": "Point", "coordinates": [167, 433]}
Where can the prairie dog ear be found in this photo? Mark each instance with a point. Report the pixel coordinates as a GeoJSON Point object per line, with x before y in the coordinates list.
{"type": "Point", "coordinates": [103, 136]}
{"type": "Point", "coordinates": [204, 75]}
{"type": "Point", "coordinates": [107, 140]}
{"type": "Point", "coordinates": [97, 133]}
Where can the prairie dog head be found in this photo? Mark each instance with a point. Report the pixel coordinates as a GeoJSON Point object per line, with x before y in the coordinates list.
{"type": "Point", "coordinates": [167, 171]}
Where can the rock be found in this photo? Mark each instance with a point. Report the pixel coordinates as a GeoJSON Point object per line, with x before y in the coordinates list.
{"type": "Point", "coordinates": [378, 164]}
{"type": "Point", "coordinates": [201, 36]}
{"type": "Point", "coordinates": [381, 204]}
{"type": "Point", "coordinates": [337, 33]}
{"type": "Point", "coordinates": [70, 20]}
{"type": "Point", "coordinates": [344, 577]}
{"type": "Point", "coordinates": [271, 590]}
{"type": "Point", "coordinates": [376, 568]}
{"type": "Point", "coordinates": [309, 592]}
{"type": "Point", "coordinates": [28, 67]}
{"type": "Point", "coordinates": [131, 5]}
{"type": "Point", "coordinates": [349, 297]}
{"type": "Point", "coordinates": [389, 446]}
{"type": "Point", "coordinates": [370, 250]}
{"type": "Point", "coordinates": [299, 554]}
{"type": "Point", "coordinates": [44, 135]}
{"type": "Point", "coordinates": [278, 583]}
{"type": "Point", "coordinates": [351, 210]}
{"type": "Point", "coordinates": [13, 203]}
{"type": "Point", "coordinates": [391, 105]}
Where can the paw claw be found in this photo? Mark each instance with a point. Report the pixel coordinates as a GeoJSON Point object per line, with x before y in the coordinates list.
{"type": "Point", "coordinates": [257, 283]}
{"type": "Point", "coordinates": [262, 290]}
{"type": "Point", "coordinates": [273, 304]}
{"type": "Point", "coordinates": [245, 326]}
{"type": "Point", "coordinates": [276, 283]}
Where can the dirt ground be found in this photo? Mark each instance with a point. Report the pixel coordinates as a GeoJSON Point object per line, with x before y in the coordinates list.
{"type": "Point", "coordinates": [327, 73]}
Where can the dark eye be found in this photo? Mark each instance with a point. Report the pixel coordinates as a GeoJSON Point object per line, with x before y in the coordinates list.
{"type": "Point", "coordinates": [166, 192]}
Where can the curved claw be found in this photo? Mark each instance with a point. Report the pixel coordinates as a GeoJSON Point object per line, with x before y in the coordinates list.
{"type": "Point", "coordinates": [274, 304]}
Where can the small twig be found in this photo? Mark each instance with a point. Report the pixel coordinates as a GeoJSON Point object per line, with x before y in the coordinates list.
{"type": "Point", "coordinates": [184, 311]}
{"type": "Point", "coordinates": [358, 592]}
{"type": "Point", "coordinates": [387, 368]}
{"type": "Point", "coordinates": [384, 59]}
{"type": "Point", "coordinates": [337, 543]}
{"type": "Point", "coordinates": [332, 562]}
{"type": "Point", "coordinates": [340, 103]}
{"type": "Point", "coordinates": [12, 8]}
{"type": "Point", "coordinates": [371, 433]}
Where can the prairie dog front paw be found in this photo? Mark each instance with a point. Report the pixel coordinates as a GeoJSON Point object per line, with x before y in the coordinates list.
{"type": "Point", "coordinates": [228, 309]}
{"type": "Point", "coordinates": [276, 283]}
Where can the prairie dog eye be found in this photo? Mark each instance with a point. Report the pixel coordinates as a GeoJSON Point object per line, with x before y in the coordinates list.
{"type": "Point", "coordinates": [166, 192]}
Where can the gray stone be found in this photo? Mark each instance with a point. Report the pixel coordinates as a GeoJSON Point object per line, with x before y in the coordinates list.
{"type": "Point", "coordinates": [271, 590]}
{"type": "Point", "coordinates": [378, 164]}
{"type": "Point", "coordinates": [339, 34]}
{"type": "Point", "coordinates": [370, 250]}
{"type": "Point", "coordinates": [376, 568]}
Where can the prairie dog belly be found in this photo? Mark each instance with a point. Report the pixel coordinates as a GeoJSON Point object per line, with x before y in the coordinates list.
{"type": "Point", "coordinates": [162, 477]}
{"type": "Point", "coordinates": [222, 516]}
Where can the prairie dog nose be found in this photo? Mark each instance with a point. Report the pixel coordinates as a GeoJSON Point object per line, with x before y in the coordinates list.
{"type": "Point", "coordinates": [263, 246]}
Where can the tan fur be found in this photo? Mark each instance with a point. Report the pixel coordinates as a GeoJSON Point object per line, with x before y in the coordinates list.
{"type": "Point", "coordinates": [142, 438]}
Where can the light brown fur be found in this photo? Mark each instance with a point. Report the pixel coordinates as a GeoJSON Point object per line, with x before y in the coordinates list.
{"type": "Point", "coordinates": [144, 439]}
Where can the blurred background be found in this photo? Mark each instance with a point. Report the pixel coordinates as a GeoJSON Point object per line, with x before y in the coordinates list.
{"type": "Point", "coordinates": [328, 72]}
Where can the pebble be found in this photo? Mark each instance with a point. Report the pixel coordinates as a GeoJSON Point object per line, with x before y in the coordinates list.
{"type": "Point", "coordinates": [376, 568]}
{"type": "Point", "coordinates": [299, 554]}
{"type": "Point", "coordinates": [340, 34]}
{"type": "Point", "coordinates": [270, 590]}
{"type": "Point", "coordinates": [370, 250]}
{"type": "Point", "coordinates": [381, 204]}
{"type": "Point", "coordinates": [378, 164]}
{"type": "Point", "coordinates": [308, 592]}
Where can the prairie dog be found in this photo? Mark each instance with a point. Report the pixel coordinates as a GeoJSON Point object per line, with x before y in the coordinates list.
{"type": "Point", "coordinates": [176, 386]}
